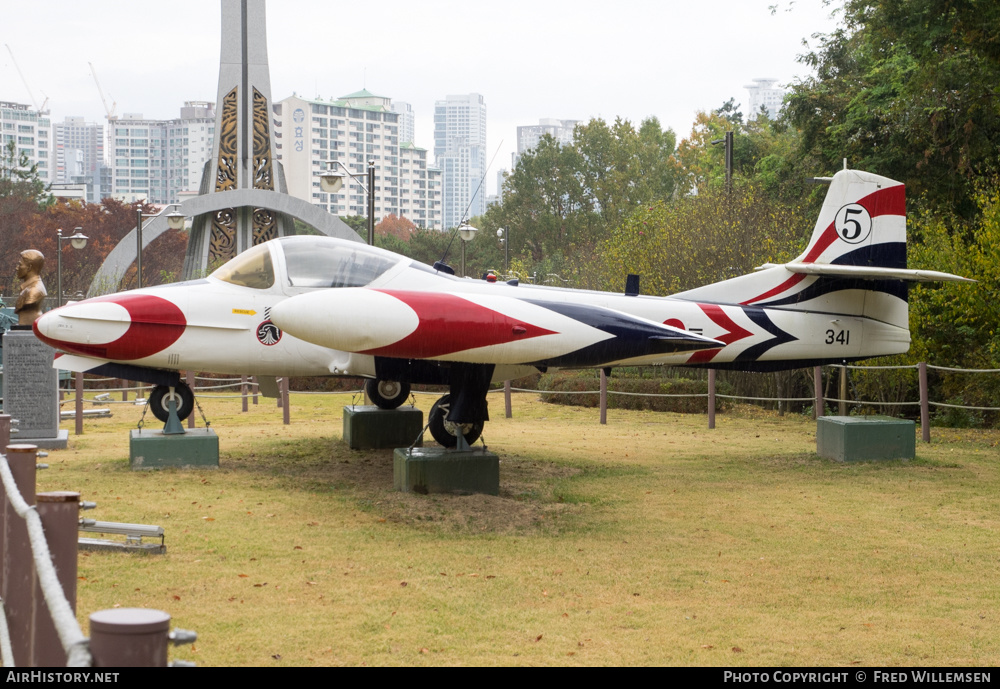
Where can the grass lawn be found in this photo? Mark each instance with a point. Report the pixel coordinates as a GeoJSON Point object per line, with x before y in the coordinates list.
{"type": "Point", "coordinates": [650, 540]}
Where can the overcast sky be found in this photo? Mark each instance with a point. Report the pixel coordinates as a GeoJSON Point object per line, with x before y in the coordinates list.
{"type": "Point", "coordinates": [530, 59]}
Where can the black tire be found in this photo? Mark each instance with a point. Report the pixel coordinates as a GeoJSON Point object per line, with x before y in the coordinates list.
{"type": "Point", "coordinates": [446, 432]}
{"type": "Point", "coordinates": [386, 394]}
{"type": "Point", "coordinates": [160, 398]}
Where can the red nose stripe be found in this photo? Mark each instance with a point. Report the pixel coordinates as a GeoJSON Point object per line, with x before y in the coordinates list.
{"type": "Point", "coordinates": [451, 324]}
{"type": "Point", "coordinates": [155, 325]}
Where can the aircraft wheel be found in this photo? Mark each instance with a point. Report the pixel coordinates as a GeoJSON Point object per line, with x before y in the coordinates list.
{"type": "Point", "coordinates": [386, 394]}
{"type": "Point", "coordinates": [159, 401]}
{"type": "Point", "coordinates": [446, 432]}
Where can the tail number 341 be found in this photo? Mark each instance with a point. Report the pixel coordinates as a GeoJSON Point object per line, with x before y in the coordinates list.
{"type": "Point", "coordinates": [838, 337]}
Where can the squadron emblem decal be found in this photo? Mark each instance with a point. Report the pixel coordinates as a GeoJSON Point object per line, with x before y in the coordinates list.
{"type": "Point", "coordinates": [267, 332]}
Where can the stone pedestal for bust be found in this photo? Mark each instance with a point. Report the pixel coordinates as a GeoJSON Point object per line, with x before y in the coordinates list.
{"type": "Point", "coordinates": [31, 389]}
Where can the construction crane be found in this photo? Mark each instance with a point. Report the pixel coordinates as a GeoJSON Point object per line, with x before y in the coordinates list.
{"type": "Point", "coordinates": [25, 82]}
{"type": "Point", "coordinates": [109, 111]}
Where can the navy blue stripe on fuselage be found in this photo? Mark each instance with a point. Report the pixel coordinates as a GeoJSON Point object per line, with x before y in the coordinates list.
{"type": "Point", "coordinates": [761, 320]}
{"type": "Point", "coordinates": [631, 337]}
{"type": "Point", "coordinates": [826, 284]}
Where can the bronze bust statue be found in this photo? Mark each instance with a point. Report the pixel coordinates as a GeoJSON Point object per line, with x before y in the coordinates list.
{"type": "Point", "coordinates": [29, 301]}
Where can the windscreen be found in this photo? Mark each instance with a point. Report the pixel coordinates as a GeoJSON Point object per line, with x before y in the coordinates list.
{"type": "Point", "coordinates": [252, 269]}
{"type": "Point", "coordinates": [324, 264]}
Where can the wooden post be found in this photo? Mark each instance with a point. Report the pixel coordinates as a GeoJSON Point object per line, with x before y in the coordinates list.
{"type": "Point", "coordinates": [285, 411]}
{"type": "Point", "coordinates": [506, 399]}
{"type": "Point", "coordinates": [189, 379]}
{"type": "Point", "coordinates": [78, 379]}
{"type": "Point", "coordinates": [4, 432]}
{"type": "Point", "coordinates": [124, 385]}
{"type": "Point", "coordinates": [256, 388]}
{"type": "Point", "coordinates": [243, 392]}
{"type": "Point", "coordinates": [711, 398]}
{"type": "Point", "coordinates": [129, 637]}
{"type": "Point", "coordinates": [842, 405]}
{"type": "Point", "coordinates": [18, 564]}
{"type": "Point", "coordinates": [925, 406]}
{"type": "Point", "coordinates": [818, 386]}
{"type": "Point", "coordinates": [604, 398]}
{"type": "Point", "coordinates": [59, 512]}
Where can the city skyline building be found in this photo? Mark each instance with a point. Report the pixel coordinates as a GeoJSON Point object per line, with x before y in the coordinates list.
{"type": "Point", "coordinates": [529, 135]}
{"type": "Point", "coordinates": [31, 130]}
{"type": "Point", "coordinates": [158, 160]}
{"type": "Point", "coordinates": [78, 153]}
{"type": "Point", "coordinates": [355, 129]}
{"type": "Point", "coordinates": [763, 93]}
{"type": "Point", "coordinates": [460, 153]}
{"type": "Point", "coordinates": [407, 121]}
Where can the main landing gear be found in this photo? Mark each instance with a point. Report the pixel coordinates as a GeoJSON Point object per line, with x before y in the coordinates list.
{"type": "Point", "coordinates": [459, 415]}
{"type": "Point", "coordinates": [446, 432]}
{"type": "Point", "coordinates": [162, 395]}
{"type": "Point", "coordinates": [386, 394]}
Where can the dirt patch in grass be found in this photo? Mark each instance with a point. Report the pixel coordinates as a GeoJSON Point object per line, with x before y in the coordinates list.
{"type": "Point", "coordinates": [530, 497]}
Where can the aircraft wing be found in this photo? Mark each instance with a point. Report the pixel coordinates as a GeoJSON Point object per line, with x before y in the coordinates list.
{"type": "Point", "coordinates": [77, 364]}
{"type": "Point", "coordinates": [477, 328]}
{"type": "Point", "coordinates": [868, 272]}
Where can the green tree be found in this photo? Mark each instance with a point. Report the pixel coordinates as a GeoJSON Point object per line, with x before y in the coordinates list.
{"type": "Point", "coordinates": [19, 178]}
{"type": "Point", "coordinates": [907, 89]}
{"type": "Point", "coordinates": [561, 200]}
{"type": "Point", "coordinates": [23, 196]}
{"type": "Point", "coordinates": [358, 223]}
{"type": "Point", "coordinates": [701, 239]}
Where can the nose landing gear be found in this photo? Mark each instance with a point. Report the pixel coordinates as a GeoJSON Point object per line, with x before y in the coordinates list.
{"type": "Point", "coordinates": [162, 395]}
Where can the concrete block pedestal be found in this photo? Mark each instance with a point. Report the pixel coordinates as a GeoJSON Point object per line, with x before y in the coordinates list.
{"type": "Point", "coordinates": [371, 428]}
{"type": "Point", "coordinates": [863, 438]}
{"type": "Point", "coordinates": [437, 470]}
{"type": "Point", "coordinates": [197, 448]}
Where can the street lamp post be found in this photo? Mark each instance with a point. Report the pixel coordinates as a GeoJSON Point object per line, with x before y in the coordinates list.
{"type": "Point", "coordinates": [728, 141]}
{"type": "Point", "coordinates": [331, 182]}
{"type": "Point", "coordinates": [77, 241]}
{"type": "Point", "coordinates": [175, 221]}
{"type": "Point", "coordinates": [467, 233]}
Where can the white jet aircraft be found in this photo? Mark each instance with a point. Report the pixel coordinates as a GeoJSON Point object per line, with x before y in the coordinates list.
{"type": "Point", "coordinates": [307, 306]}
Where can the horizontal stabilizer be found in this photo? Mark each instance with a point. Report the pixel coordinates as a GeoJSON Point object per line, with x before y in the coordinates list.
{"type": "Point", "coordinates": [867, 272]}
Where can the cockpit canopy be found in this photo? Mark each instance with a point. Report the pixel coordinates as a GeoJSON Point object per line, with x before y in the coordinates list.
{"type": "Point", "coordinates": [310, 263]}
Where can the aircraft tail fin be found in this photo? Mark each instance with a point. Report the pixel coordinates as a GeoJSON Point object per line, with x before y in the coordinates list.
{"type": "Point", "coordinates": [855, 263]}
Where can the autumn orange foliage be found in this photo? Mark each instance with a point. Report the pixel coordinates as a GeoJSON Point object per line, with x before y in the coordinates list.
{"type": "Point", "coordinates": [105, 224]}
{"type": "Point", "coordinates": [397, 226]}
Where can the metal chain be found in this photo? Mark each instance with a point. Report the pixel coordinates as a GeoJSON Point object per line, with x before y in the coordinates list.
{"type": "Point", "coordinates": [143, 417]}
{"type": "Point", "coordinates": [208, 424]}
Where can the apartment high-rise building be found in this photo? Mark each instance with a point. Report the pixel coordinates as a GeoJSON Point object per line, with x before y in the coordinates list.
{"type": "Point", "coordinates": [79, 154]}
{"type": "Point", "coordinates": [407, 121]}
{"type": "Point", "coordinates": [420, 188]}
{"type": "Point", "coordinates": [764, 94]}
{"type": "Point", "coordinates": [31, 130]}
{"type": "Point", "coordinates": [460, 152]}
{"type": "Point", "coordinates": [355, 129]}
{"type": "Point", "coordinates": [157, 160]}
{"type": "Point", "coordinates": [529, 135]}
